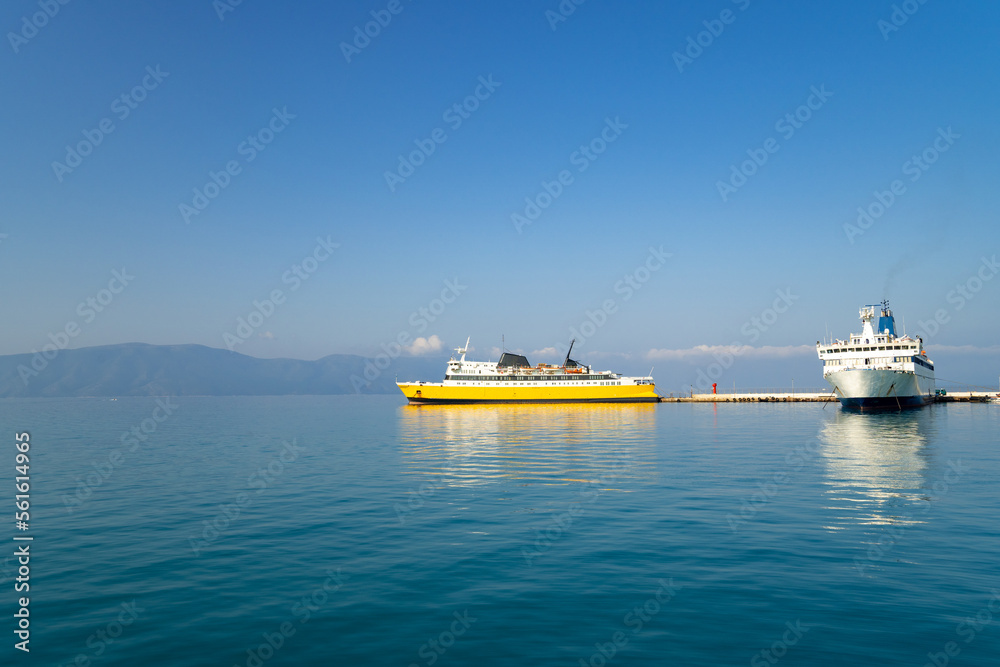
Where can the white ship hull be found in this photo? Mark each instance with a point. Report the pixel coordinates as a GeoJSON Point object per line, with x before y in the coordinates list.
{"type": "Point", "coordinates": [864, 388]}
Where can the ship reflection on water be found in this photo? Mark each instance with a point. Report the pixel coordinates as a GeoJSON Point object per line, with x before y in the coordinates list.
{"type": "Point", "coordinates": [463, 445]}
{"type": "Point", "coordinates": [877, 467]}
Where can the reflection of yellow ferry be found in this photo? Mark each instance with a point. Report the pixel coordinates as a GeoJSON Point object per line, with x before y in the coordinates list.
{"type": "Point", "coordinates": [514, 380]}
{"type": "Point", "coordinates": [546, 443]}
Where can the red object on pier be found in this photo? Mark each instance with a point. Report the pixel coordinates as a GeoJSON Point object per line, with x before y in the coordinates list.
{"type": "Point", "coordinates": [713, 387]}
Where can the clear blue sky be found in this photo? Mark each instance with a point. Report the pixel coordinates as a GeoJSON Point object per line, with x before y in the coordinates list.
{"type": "Point", "coordinates": [675, 136]}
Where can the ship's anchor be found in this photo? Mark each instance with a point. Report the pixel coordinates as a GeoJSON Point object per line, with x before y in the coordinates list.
{"type": "Point", "coordinates": [892, 388]}
{"type": "Point", "coordinates": [836, 390]}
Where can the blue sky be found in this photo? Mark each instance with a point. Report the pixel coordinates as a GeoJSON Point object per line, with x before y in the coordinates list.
{"type": "Point", "coordinates": [199, 81]}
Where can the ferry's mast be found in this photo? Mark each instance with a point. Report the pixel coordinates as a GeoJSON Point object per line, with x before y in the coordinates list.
{"type": "Point", "coordinates": [568, 353]}
{"type": "Point", "coordinates": [463, 350]}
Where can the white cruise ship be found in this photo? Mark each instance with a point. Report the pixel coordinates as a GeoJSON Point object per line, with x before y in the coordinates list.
{"type": "Point", "coordinates": [876, 368]}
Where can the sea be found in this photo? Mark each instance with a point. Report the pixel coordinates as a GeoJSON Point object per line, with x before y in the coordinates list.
{"type": "Point", "coordinates": [357, 530]}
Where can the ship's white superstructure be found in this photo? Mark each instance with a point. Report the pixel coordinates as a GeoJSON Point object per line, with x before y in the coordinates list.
{"type": "Point", "coordinates": [877, 368]}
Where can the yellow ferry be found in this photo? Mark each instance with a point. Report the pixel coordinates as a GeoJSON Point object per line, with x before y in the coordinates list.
{"type": "Point", "coordinates": [513, 380]}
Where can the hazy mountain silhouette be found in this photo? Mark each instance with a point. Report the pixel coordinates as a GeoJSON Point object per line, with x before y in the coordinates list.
{"type": "Point", "coordinates": [138, 369]}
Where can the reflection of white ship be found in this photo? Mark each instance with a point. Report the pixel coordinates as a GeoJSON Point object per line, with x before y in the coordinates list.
{"type": "Point", "coordinates": [876, 468]}
{"type": "Point", "coordinates": [877, 369]}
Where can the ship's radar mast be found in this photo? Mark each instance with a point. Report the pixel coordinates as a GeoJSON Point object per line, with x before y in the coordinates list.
{"type": "Point", "coordinates": [463, 350]}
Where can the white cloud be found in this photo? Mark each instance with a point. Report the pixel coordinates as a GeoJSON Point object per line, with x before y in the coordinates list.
{"type": "Point", "coordinates": [547, 352]}
{"type": "Point", "coordinates": [266, 334]}
{"type": "Point", "coordinates": [707, 351]}
{"type": "Point", "coordinates": [964, 349]}
{"type": "Point", "coordinates": [425, 345]}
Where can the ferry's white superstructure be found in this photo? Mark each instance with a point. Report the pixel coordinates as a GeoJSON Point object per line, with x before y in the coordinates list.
{"type": "Point", "coordinates": [876, 368]}
{"type": "Point", "coordinates": [513, 380]}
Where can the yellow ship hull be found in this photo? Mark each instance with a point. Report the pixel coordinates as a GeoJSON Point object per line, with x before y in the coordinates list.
{"type": "Point", "coordinates": [436, 393]}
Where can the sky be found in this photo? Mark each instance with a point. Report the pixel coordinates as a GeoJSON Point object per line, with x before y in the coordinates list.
{"type": "Point", "coordinates": [659, 181]}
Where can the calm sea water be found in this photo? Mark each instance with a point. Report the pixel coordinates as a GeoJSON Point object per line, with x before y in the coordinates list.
{"type": "Point", "coordinates": [359, 531]}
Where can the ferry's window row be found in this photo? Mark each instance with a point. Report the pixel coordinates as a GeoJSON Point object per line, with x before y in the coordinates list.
{"type": "Point", "coordinates": [883, 360]}
{"type": "Point", "coordinates": [873, 348]}
{"type": "Point", "coordinates": [524, 378]}
{"type": "Point", "coordinates": [857, 340]}
{"type": "Point", "coordinates": [508, 384]}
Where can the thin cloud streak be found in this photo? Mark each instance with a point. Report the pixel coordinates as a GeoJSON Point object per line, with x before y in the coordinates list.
{"type": "Point", "coordinates": [745, 351]}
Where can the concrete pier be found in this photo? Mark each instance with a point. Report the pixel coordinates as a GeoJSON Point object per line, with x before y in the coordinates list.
{"type": "Point", "coordinates": [967, 397]}
{"type": "Point", "coordinates": [763, 397]}
{"type": "Point", "coordinates": [806, 397]}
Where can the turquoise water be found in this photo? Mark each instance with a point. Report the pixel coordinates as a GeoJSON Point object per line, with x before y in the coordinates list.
{"type": "Point", "coordinates": [360, 531]}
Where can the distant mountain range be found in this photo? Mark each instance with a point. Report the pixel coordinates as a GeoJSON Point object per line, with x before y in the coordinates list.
{"type": "Point", "coordinates": [137, 369]}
